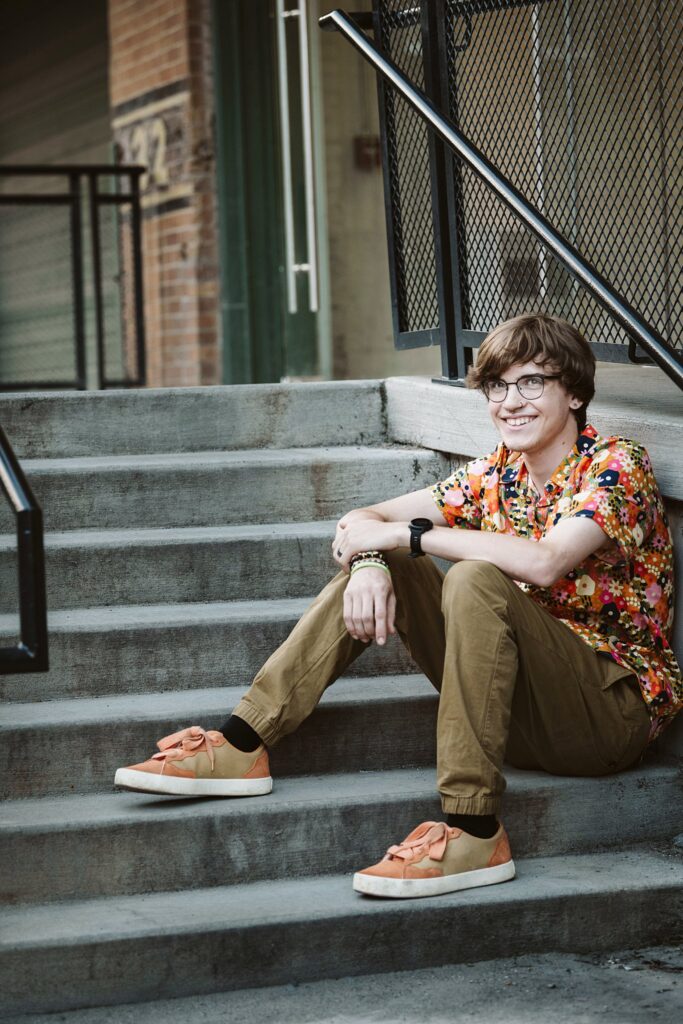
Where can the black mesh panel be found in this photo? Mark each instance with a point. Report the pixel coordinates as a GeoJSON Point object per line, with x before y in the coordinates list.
{"type": "Point", "coordinates": [409, 176]}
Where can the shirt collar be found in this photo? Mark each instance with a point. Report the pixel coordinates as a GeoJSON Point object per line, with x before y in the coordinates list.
{"type": "Point", "coordinates": [585, 444]}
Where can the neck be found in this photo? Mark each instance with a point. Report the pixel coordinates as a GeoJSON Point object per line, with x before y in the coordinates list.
{"type": "Point", "coordinates": [543, 462]}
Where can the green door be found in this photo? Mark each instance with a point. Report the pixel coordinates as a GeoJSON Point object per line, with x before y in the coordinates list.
{"type": "Point", "coordinates": [269, 310]}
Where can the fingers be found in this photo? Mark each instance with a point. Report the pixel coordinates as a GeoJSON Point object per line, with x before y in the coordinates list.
{"type": "Point", "coordinates": [358, 612]}
{"type": "Point", "coordinates": [391, 613]}
{"type": "Point", "coordinates": [381, 619]}
{"type": "Point", "coordinates": [363, 617]}
{"type": "Point", "coordinates": [369, 613]}
{"type": "Point", "coordinates": [385, 617]}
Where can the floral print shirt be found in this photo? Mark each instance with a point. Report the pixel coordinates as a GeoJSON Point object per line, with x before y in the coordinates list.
{"type": "Point", "coordinates": [620, 599]}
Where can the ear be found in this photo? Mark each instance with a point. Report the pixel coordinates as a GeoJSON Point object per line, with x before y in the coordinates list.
{"type": "Point", "coordinates": [575, 403]}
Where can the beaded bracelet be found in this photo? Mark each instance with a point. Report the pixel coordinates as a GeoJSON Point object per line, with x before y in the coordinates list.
{"type": "Point", "coordinates": [370, 563]}
{"type": "Point", "coordinates": [377, 556]}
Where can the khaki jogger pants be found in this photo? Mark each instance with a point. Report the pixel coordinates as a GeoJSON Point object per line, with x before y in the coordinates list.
{"type": "Point", "coordinates": [515, 683]}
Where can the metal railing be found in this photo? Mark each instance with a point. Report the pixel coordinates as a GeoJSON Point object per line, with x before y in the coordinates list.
{"type": "Point", "coordinates": [638, 330]}
{"type": "Point", "coordinates": [31, 653]}
{"type": "Point", "coordinates": [82, 193]}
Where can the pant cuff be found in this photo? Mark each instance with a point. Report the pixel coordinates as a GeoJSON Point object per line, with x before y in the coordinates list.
{"type": "Point", "coordinates": [471, 804]}
{"type": "Point", "coordinates": [257, 720]}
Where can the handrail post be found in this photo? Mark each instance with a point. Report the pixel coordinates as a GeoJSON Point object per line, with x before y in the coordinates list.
{"type": "Point", "coordinates": [447, 276]}
{"type": "Point", "coordinates": [77, 277]}
{"type": "Point", "coordinates": [31, 653]}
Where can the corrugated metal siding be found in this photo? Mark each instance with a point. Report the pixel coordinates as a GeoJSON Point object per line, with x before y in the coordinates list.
{"type": "Point", "coordinates": [54, 108]}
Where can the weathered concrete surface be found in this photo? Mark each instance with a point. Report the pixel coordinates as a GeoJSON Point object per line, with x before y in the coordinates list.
{"type": "Point", "coordinates": [87, 568]}
{"type": "Point", "coordinates": [49, 424]}
{"type": "Point", "coordinates": [150, 648]}
{"type": "Point", "coordinates": [633, 986]}
{"type": "Point", "coordinates": [214, 488]}
{"type": "Point", "coordinates": [98, 851]}
{"type": "Point", "coordinates": [167, 944]}
{"type": "Point", "coordinates": [111, 844]}
{"type": "Point", "coordinates": [71, 746]}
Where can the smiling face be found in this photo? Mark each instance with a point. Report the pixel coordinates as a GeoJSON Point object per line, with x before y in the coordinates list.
{"type": "Point", "coordinates": [535, 425]}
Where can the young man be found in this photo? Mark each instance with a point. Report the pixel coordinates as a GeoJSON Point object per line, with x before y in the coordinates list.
{"type": "Point", "coordinates": [548, 639]}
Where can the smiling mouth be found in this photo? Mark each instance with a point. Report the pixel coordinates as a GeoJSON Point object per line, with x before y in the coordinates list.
{"type": "Point", "coordinates": [519, 421]}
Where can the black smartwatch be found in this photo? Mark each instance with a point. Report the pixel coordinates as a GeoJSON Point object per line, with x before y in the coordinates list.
{"type": "Point", "coordinates": [417, 528]}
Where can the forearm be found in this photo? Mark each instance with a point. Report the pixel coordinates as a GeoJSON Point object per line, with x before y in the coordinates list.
{"type": "Point", "coordinates": [525, 560]}
{"type": "Point", "coordinates": [356, 514]}
{"type": "Point", "coordinates": [539, 562]}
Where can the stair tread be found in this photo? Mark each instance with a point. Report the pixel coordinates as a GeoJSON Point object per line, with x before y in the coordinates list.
{"type": "Point", "coordinates": [135, 616]}
{"type": "Point", "coordinates": [162, 535]}
{"type": "Point", "coordinates": [228, 908]}
{"type": "Point", "coordinates": [169, 704]}
{"type": "Point", "coordinates": [252, 457]}
{"type": "Point", "coordinates": [75, 812]}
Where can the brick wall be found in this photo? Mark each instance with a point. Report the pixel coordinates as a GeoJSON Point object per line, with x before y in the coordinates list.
{"type": "Point", "coordinates": [162, 103]}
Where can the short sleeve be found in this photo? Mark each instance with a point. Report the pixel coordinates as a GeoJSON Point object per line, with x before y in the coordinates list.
{"type": "Point", "coordinates": [619, 493]}
{"type": "Point", "coordinates": [458, 498]}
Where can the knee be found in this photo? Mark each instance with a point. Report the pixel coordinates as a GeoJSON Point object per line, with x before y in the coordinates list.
{"type": "Point", "coordinates": [467, 578]}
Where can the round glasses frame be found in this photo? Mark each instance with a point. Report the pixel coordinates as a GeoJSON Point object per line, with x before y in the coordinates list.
{"type": "Point", "coordinates": [530, 386]}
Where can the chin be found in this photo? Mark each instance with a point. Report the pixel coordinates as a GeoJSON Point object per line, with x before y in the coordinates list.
{"type": "Point", "coordinates": [519, 437]}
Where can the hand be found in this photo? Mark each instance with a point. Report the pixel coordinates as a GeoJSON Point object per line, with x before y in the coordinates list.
{"type": "Point", "coordinates": [370, 606]}
{"type": "Point", "coordinates": [366, 535]}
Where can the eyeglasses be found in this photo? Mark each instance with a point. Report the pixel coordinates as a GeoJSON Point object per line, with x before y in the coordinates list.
{"type": "Point", "coordinates": [529, 387]}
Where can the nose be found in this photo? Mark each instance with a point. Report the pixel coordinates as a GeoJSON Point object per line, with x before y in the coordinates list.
{"type": "Point", "coordinates": [513, 399]}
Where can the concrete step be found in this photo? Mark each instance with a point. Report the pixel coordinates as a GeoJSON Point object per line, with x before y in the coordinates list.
{"type": "Point", "coordinates": [163, 945]}
{"type": "Point", "coordinates": [108, 844]}
{"type": "Point", "coordinates": [215, 563]}
{"type": "Point", "coordinates": [74, 746]}
{"type": "Point", "coordinates": [134, 649]}
{"type": "Point", "coordinates": [214, 488]}
{"type": "Point", "coordinates": [614, 986]}
{"type": "Point", "coordinates": [134, 422]}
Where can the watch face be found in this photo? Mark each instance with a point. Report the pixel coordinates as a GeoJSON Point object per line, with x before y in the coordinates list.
{"type": "Point", "coordinates": [422, 524]}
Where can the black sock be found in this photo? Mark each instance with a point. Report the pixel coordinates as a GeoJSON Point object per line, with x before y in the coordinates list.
{"type": "Point", "coordinates": [483, 826]}
{"type": "Point", "coordinates": [240, 734]}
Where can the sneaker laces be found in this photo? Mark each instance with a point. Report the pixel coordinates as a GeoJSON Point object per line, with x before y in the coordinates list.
{"type": "Point", "coordinates": [431, 837]}
{"type": "Point", "coordinates": [183, 743]}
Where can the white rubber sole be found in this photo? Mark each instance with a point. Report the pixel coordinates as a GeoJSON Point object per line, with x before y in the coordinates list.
{"type": "Point", "coordinates": [171, 785]}
{"type": "Point", "coordinates": [410, 888]}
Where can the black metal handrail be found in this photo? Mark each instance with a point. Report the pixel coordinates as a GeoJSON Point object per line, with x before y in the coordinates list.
{"type": "Point", "coordinates": [637, 329]}
{"type": "Point", "coordinates": [31, 653]}
{"type": "Point", "coordinates": [73, 198]}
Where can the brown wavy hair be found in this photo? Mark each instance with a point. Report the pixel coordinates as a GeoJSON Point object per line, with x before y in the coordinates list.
{"type": "Point", "coordinates": [547, 340]}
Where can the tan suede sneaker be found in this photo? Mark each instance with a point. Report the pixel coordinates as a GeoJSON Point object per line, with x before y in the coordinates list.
{"type": "Point", "coordinates": [194, 762]}
{"type": "Point", "coordinates": [435, 859]}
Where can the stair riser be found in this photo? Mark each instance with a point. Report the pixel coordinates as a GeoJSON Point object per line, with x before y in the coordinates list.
{"type": "Point", "coordinates": [216, 494]}
{"type": "Point", "coordinates": [261, 840]}
{"type": "Point", "coordinates": [188, 419]}
{"type": "Point", "coordinates": [428, 934]}
{"type": "Point", "coordinates": [169, 573]}
{"type": "Point", "coordinates": [366, 736]}
{"type": "Point", "coordinates": [184, 657]}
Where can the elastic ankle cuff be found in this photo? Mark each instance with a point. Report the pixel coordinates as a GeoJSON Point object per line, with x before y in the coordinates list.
{"type": "Point", "coordinates": [257, 720]}
{"type": "Point", "coordinates": [471, 804]}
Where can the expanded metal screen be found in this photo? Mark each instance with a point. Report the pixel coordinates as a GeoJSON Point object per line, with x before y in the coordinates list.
{"type": "Point", "coordinates": [579, 105]}
{"type": "Point", "coordinates": [411, 230]}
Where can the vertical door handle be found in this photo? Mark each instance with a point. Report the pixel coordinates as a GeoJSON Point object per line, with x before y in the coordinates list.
{"type": "Point", "coordinates": [310, 266]}
{"type": "Point", "coordinates": [286, 147]}
{"type": "Point", "coordinates": [307, 120]}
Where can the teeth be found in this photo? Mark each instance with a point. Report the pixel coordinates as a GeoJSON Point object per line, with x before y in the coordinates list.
{"type": "Point", "coordinates": [519, 421]}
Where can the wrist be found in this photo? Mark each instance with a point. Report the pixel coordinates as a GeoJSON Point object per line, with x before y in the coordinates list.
{"type": "Point", "coordinates": [402, 535]}
{"type": "Point", "coordinates": [418, 528]}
